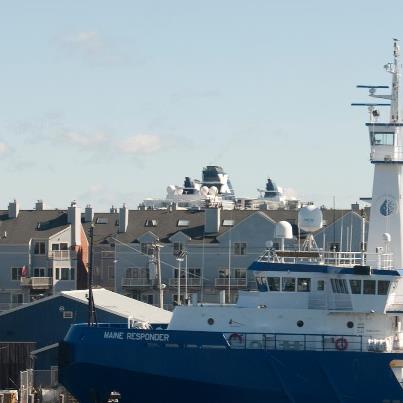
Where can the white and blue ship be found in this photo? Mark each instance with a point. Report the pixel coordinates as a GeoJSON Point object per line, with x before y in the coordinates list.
{"type": "Point", "coordinates": [322, 327]}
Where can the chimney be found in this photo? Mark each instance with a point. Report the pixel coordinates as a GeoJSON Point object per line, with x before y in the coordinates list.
{"type": "Point", "coordinates": [74, 218]}
{"type": "Point", "coordinates": [355, 207]}
{"type": "Point", "coordinates": [212, 217]}
{"type": "Point", "coordinates": [89, 214]}
{"type": "Point", "coordinates": [39, 205]}
{"type": "Point", "coordinates": [123, 218]}
{"type": "Point", "coordinates": [13, 209]}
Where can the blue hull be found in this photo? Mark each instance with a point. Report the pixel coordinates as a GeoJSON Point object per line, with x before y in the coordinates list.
{"type": "Point", "coordinates": [92, 366]}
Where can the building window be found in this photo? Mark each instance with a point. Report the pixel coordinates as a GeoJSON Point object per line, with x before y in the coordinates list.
{"type": "Point", "coordinates": [57, 273]}
{"type": "Point", "coordinates": [17, 298]}
{"type": "Point", "coordinates": [50, 272]}
{"type": "Point", "coordinates": [355, 286]}
{"type": "Point", "coordinates": [223, 273]}
{"type": "Point", "coordinates": [383, 287]}
{"type": "Point", "coordinates": [239, 273]}
{"type": "Point", "coordinates": [194, 272]}
{"type": "Point", "coordinates": [60, 246]}
{"type": "Point", "coordinates": [65, 273]}
{"type": "Point", "coordinates": [137, 272]}
{"type": "Point", "coordinates": [147, 248]}
{"type": "Point", "coordinates": [240, 248]}
{"type": "Point", "coordinates": [16, 273]}
{"type": "Point", "coordinates": [147, 298]}
{"type": "Point", "coordinates": [273, 283]}
{"type": "Point", "coordinates": [303, 284]}
{"type": "Point", "coordinates": [110, 272]}
{"type": "Point", "coordinates": [72, 274]}
{"type": "Point", "coordinates": [369, 286]}
{"type": "Point", "coordinates": [320, 285]}
{"type": "Point", "coordinates": [39, 272]}
{"type": "Point", "coordinates": [288, 284]}
{"type": "Point", "coordinates": [151, 223]}
{"type": "Point", "coordinates": [39, 248]}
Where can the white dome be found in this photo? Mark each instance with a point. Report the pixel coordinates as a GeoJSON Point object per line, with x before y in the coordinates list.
{"type": "Point", "coordinates": [204, 190]}
{"type": "Point", "coordinates": [213, 190]}
{"type": "Point", "coordinates": [171, 189]}
{"type": "Point", "coordinates": [283, 230]}
{"type": "Point", "coordinates": [310, 218]}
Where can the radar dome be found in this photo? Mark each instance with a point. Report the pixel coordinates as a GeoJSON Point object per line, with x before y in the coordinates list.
{"type": "Point", "coordinates": [310, 218]}
{"type": "Point", "coordinates": [213, 190]}
{"type": "Point", "coordinates": [204, 190]}
{"type": "Point", "coordinates": [283, 230]}
{"type": "Point", "coordinates": [171, 189]}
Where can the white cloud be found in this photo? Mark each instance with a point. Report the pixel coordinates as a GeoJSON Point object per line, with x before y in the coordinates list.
{"type": "Point", "coordinates": [85, 140]}
{"type": "Point", "coordinates": [140, 144]}
{"type": "Point", "coordinates": [88, 42]}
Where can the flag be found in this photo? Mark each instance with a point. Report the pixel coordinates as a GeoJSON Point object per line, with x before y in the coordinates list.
{"type": "Point", "coordinates": [24, 271]}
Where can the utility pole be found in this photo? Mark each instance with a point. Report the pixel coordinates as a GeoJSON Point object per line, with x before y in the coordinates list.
{"type": "Point", "coordinates": [92, 316]}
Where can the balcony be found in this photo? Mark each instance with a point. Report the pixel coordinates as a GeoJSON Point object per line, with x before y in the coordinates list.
{"type": "Point", "coordinates": [9, 305]}
{"type": "Point", "coordinates": [192, 282]}
{"type": "Point", "coordinates": [231, 282]}
{"type": "Point", "coordinates": [137, 282]}
{"type": "Point", "coordinates": [37, 283]}
{"type": "Point", "coordinates": [62, 255]}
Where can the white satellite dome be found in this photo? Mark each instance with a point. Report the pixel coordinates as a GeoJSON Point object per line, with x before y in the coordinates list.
{"type": "Point", "coordinates": [171, 189]}
{"type": "Point", "coordinates": [213, 191]}
{"type": "Point", "coordinates": [204, 190]}
{"type": "Point", "coordinates": [310, 218]}
{"type": "Point", "coordinates": [283, 230]}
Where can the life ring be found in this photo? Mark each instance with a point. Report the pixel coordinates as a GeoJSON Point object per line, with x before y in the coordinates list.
{"type": "Point", "coordinates": [341, 344]}
{"type": "Point", "coordinates": [235, 338]}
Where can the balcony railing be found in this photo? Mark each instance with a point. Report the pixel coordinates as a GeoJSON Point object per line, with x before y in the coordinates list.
{"type": "Point", "coordinates": [9, 305]}
{"type": "Point", "coordinates": [137, 282]}
{"type": "Point", "coordinates": [62, 255]}
{"type": "Point", "coordinates": [233, 282]}
{"type": "Point", "coordinates": [39, 283]}
{"type": "Point", "coordinates": [191, 282]}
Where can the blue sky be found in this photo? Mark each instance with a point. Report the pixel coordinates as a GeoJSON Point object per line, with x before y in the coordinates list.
{"type": "Point", "coordinates": [109, 102]}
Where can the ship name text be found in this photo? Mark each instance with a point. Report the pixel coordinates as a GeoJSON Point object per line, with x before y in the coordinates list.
{"type": "Point", "coordinates": [136, 336]}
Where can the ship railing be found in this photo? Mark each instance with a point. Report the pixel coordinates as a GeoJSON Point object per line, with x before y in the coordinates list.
{"type": "Point", "coordinates": [297, 342]}
{"type": "Point", "coordinates": [346, 259]}
{"type": "Point", "coordinates": [5, 306]}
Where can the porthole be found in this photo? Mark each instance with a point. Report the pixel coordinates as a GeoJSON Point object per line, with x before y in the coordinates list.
{"type": "Point", "coordinates": [350, 324]}
{"type": "Point", "coordinates": [210, 321]}
{"type": "Point", "coordinates": [300, 323]}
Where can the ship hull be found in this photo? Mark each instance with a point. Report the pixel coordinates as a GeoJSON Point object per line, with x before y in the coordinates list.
{"type": "Point", "coordinates": [92, 367]}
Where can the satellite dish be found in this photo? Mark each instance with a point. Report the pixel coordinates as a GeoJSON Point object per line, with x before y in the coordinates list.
{"type": "Point", "coordinates": [310, 218]}
{"type": "Point", "coordinates": [204, 190]}
{"type": "Point", "coordinates": [283, 230]}
{"type": "Point", "coordinates": [213, 191]}
{"type": "Point", "coordinates": [269, 244]}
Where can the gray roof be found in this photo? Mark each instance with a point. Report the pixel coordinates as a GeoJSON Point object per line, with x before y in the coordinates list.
{"type": "Point", "coordinates": [107, 224]}
{"type": "Point", "coordinates": [31, 224]}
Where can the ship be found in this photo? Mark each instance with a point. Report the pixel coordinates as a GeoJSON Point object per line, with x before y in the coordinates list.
{"type": "Point", "coordinates": [323, 326]}
{"type": "Point", "coordinates": [215, 187]}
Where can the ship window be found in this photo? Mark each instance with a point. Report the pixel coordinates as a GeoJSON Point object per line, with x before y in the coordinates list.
{"type": "Point", "coordinates": [335, 246]}
{"type": "Point", "coordinates": [355, 286]}
{"type": "Point", "coordinates": [339, 286]}
{"type": "Point", "coordinates": [382, 139]}
{"type": "Point", "coordinates": [369, 286]}
{"type": "Point", "coordinates": [273, 283]}
{"type": "Point", "coordinates": [320, 285]}
{"type": "Point", "coordinates": [261, 284]}
{"type": "Point", "coordinates": [303, 284]}
{"type": "Point", "coordinates": [288, 284]}
{"type": "Point", "coordinates": [383, 287]}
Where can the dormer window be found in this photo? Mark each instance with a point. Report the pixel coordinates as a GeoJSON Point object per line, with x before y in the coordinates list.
{"type": "Point", "coordinates": [183, 223]}
{"type": "Point", "coordinates": [228, 223]}
{"type": "Point", "coordinates": [102, 220]}
{"type": "Point", "coordinates": [150, 223]}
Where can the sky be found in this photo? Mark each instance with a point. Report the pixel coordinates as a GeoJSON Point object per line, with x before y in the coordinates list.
{"type": "Point", "coordinates": [107, 102]}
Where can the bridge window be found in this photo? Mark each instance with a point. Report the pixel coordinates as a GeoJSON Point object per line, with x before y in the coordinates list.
{"type": "Point", "coordinates": [382, 139]}
{"type": "Point", "coordinates": [261, 284]}
{"type": "Point", "coordinates": [355, 286]}
{"type": "Point", "coordinates": [320, 285]}
{"type": "Point", "coordinates": [369, 286]}
{"type": "Point", "coordinates": [288, 284]}
{"type": "Point", "coordinates": [303, 284]}
{"type": "Point", "coordinates": [273, 283]}
{"type": "Point", "coordinates": [383, 287]}
{"type": "Point", "coordinates": [339, 286]}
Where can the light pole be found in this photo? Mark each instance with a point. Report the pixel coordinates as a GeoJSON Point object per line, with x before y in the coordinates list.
{"type": "Point", "coordinates": [160, 286]}
{"type": "Point", "coordinates": [180, 256]}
